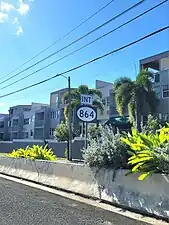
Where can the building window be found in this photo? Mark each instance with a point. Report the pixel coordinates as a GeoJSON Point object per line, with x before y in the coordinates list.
{"type": "Point", "coordinates": [11, 111]}
{"type": "Point", "coordinates": [166, 91]}
{"type": "Point", "coordinates": [31, 134]}
{"type": "Point", "coordinates": [15, 122]}
{"type": "Point", "coordinates": [52, 131]}
{"type": "Point", "coordinates": [107, 101]}
{"type": "Point", "coordinates": [157, 91]}
{"type": "Point", "coordinates": [26, 121]}
{"type": "Point", "coordinates": [26, 109]}
{"type": "Point", "coordinates": [14, 135]}
{"type": "Point", "coordinates": [54, 114]}
{"type": "Point", "coordinates": [26, 135]}
{"type": "Point", "coordinates": [9, 123]}
{"type": "Point", "coordinates": [1, 136]}
{"type": "Point", "coordinates": [156, 77]}
{"type": "Point", "coordinates": [1, 124]}
{"type": "Point", "coordinates": [57, 100]}
{"type": "Point", "coordinates": [32, 118]}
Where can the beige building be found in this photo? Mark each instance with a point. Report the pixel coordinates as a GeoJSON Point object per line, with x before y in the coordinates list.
{"type": "Point", "coordinates": [159, 65]}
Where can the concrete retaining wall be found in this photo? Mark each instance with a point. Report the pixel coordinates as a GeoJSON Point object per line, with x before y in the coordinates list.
{"type": "Point", "coordinates": [57, 147]}
{"type": "Point", "coordinates": [149, 196]}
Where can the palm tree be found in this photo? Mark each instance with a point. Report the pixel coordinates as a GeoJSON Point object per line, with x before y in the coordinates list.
{"type": "Point", "coordinates": [75, 98]}
{"type": "Point", "coordinates": [135, 95]}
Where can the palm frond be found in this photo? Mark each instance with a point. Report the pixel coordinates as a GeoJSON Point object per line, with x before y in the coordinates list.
{"type": "Point", "coordinates": [121, 81]}
{"type": "Point", "coordinates": [75, 103]}
{"type": "Point", "coordinates": [96, 92]}
{"type": "Point", "coordinates": [144, 79]}
{"type": "Point", "coordinates": [83, 89]}
{"type": "Point", "coordinates": [132, 108]}
{"type": "Point", "coordinates": [98, 104]}
{"type": "Point", "coordinates": [65, 98]}
{"type": "Point", "coordinates": [123, 95]}
{"type": "Point", "coordinates": [74, 95]}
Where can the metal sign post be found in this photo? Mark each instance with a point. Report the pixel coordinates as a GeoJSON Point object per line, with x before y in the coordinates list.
{"type": "Point", "coordinates": [86, 136]}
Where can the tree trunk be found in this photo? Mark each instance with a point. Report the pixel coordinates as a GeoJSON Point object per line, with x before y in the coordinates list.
{"type": "Point", "coordinates": [138, 116]}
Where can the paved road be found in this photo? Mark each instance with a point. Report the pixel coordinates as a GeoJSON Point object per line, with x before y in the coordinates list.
{"type": "Point", "coordinates": [23, 205]}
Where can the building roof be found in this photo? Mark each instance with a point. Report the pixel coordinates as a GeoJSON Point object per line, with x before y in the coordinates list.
{"type": "Point", "coordinates": [155, 57]}
{"type": "Point", "coordinates": [60, 90]}
{"type": "Point", "coordinates": [19, 106]}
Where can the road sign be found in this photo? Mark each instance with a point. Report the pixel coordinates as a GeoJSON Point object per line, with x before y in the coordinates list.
{"type": "Point", "coordinates": [86, 99]}
{"type": "Point", "coordinates": [87, 114]}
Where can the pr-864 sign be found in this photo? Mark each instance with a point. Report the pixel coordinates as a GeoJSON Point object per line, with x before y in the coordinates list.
{"type": "Point", "coordinates": [86, 114]}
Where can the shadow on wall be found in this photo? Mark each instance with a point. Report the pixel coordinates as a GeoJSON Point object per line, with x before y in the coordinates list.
{"type": "Point", "coordinates": [149, 196]}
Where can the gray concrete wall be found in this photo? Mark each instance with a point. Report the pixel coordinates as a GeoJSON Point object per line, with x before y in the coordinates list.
{"type": "Point", "coordinates": [57, 147]}
{"type": "Point", "coordinates": [149, 196]}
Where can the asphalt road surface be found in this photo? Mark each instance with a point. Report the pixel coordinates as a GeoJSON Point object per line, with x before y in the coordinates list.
{"type": "Point", "coordinates": [23, 205]}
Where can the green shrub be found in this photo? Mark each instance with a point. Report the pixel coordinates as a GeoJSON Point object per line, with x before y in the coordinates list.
{"type": "Point", "coordinates": [35, 152]}
{"type": "Point", "coordinates": [152, 125]}
{"type": "Point", "coordinates": [94, 131]}
{"type": "Point", "coordinates": [106, 150]}
{"type": "Point", "coordinates": [150, 152]}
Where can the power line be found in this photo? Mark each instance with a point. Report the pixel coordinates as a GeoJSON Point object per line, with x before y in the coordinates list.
{"type": "Point", "coordinates": [88, 62]}
{"type": "Point", "coordinates": [61, 38]}
{"type": "Point", "coordinates": [102, 36]}
{"type": "Point", "coordinates": [78, 39]}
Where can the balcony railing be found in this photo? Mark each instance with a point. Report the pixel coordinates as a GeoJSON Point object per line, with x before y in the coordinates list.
{"type": "Point", "coordinates": [39, 123]}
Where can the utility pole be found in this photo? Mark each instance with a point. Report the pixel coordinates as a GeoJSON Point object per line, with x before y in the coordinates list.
{"type": "Point", "coordinates": [70, 120]}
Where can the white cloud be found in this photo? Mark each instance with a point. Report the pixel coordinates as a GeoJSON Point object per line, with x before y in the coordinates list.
{"type": "Point", "coordinates": [15, 20]}
{"type": "Point", "coordinates": [23, 8]}
{"type": "Point", "coordinates": [19, 30]}
{"type": "Point", "coordinates": [3, 17]}
{"type": "Point", "coordinates": [6, 7]}
{"type": "Point", "coordinates": [2, 103]}
{"type": "Point", "coordinates": [18, 26]}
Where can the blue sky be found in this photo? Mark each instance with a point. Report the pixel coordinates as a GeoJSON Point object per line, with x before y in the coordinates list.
{"type": "Point", "coordinates": [30, 26]}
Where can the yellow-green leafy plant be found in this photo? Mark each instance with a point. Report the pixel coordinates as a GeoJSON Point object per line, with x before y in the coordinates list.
{"type": "Point", "coordinates": [35, 152]}
{"type": "Point", "coordinates": [149, 152]}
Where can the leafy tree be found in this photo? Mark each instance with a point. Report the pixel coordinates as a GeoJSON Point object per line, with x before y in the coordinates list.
{"type": "Point", "coordinates": [135, 95]}
{"type": "Point", "coordinates": [61, 132]}
{"type": "Point", "coordinates": [75, 98]}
